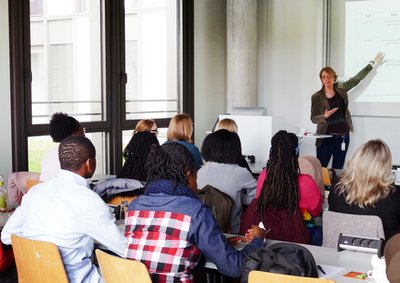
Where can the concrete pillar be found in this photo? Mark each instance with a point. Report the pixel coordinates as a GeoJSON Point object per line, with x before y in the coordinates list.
{"type": "Point", "coordinates": [241, 53]}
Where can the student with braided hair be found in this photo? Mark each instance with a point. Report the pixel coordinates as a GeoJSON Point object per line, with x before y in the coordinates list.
{"type": "Point", "coordinates": [135, 155]}
{"type": "Point", "coordinates": [168, 227]}
{"type": "Point", "coordinates": [284, 196]}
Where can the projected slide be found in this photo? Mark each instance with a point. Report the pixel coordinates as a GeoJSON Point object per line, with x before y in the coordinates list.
{"type": "Point", "coordinates": [373, 26]}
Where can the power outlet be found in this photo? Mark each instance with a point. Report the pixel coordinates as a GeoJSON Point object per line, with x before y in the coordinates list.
{"type": "Point", "coordinates": [362, 244]}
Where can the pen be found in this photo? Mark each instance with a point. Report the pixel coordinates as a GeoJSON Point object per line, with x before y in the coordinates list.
{"type": "Point", "coordinates": [261, 225]}
{"type": "Point", "coordinates": [320, 269]}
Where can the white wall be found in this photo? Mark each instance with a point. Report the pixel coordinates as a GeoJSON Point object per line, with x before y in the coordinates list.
{"type": "Point", "coordinates": [293, 59]}
{"type": "Point", "coordinates": [5, 112]}
{"type": "Point", "coordinates": [289, 59]}
{"type": "Point", "coordinates": [210, 64]}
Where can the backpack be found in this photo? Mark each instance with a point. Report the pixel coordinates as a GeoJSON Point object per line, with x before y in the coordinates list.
{"type": "Point", "coordinates": [282, 258]}
{"type": "Point", "coordinates": [219, 203]}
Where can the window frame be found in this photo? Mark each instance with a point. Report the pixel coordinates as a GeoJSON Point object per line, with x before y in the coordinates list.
{"type": "Point", "coordinates": [115, 79]}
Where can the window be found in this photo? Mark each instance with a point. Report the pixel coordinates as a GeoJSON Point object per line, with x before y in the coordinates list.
{"type": "Point", "coordinates": [151, 44]}
{"type": "Point", "coordinates": [108, 63]}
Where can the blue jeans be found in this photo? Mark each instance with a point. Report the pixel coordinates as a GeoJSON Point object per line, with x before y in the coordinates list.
{"type": "Point", "coordinates": [332, 147]}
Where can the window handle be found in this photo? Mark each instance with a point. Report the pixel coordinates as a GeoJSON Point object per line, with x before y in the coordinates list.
{"type": "Point", "coordinates": [28, 75]}
{"type": "Point", "coordinates": [124, 78]}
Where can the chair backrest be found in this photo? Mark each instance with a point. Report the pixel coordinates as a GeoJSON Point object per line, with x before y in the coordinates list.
{"type": "Point", "coordinates": [118, 200]}
{"type": "Point", "coordinates": [30, 183]}
{"type": "Point", "coordinates": [326, 177]}
{"type": "Point", "coordinates": [312, 166]}
{"type": "Point", "coordinates": [115, 269]}
{"type": "Point", "coordinates": [262, 276]}
{"type": "Point", "coordinates": [37, 261]}
{"type": "Point", "coordinates": [392, 258]}
{"type": "Point", "coordinates": [334, 223]}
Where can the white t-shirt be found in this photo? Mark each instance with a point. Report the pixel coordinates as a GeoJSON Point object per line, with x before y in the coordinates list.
{"type": "Point", "coordinates": [50, 165]}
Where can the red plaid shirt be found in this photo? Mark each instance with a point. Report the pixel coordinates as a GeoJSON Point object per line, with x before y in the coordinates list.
{"type": "Point", "coordinates": [159, 239]}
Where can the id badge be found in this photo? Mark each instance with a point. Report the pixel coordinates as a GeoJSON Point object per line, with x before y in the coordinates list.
{"type": "Point", "coordinates": [343, 146]}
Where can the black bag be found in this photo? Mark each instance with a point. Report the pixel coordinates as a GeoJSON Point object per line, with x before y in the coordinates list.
{"type": "Point", "coordinates": [219, 203]}
{"type": "Point", "coordinates": [283, 258]}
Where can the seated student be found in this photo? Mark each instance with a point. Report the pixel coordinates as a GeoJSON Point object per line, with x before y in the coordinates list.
{"type": "Point", "coordinates": [61, 127]}
{"type": "Point", "coordinates": [135, 155]}
{"type": "Point", "coordinates": [168, 228]}
{"type": "Point", "coordinates": [146, 125]}
{"type": "Point", "coordinates": [231, 126]}
{"type": "Point", "coordinates": [64, 211]}
{"type": "Point", "coordinates": [284, 195]}
{"type": "Point", "coordinates": [227, 124]}
{"type": "Point", "coordinates": [180, 130]}
{"type": "Point", "coordinates": [132, 177]}
{"type": "Point", "coordinates": [365, 187]}
{"type": "Point", "coordinates": [222, 151]}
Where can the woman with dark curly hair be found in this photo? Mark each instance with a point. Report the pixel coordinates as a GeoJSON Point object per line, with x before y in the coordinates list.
{"type": "Point", "coordinates": [135, 155]}
{"type": "Point", "coordinates": [168, 228]}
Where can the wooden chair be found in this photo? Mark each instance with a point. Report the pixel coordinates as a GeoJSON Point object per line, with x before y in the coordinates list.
{"type": "Point", "coordinates": [115, 269]}
{"type": "Point", "coordinates": [118, 200]}
{"type": "Point", "coordinates": [326, 178]}
{"type": "Point", "coordinates": [30, 183]}
{"type": "Point", "coordinates": [334, 223]}
{"type": "Point", "coordinates": [37, 261]}
{"type": "Point", "coordinates": [256, 276]}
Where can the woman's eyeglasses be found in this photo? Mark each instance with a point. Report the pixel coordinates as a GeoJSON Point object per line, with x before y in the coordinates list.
{"type": "Point", "coordinates": [81, 131]}
{"type": "Point", "coordinates": [154, 132]}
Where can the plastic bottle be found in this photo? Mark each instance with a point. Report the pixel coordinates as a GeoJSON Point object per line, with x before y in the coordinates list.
{"type": "Point", "coordinates": [3, 195]}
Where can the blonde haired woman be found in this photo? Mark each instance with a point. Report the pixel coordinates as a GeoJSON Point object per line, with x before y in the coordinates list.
{"type": "Point", "coordinates": [227, 124]}
{"type": "Point", "coordinates": [180, 130]}
{"type": "Point", "coordinates": [146, 125]}
{"type": "Point", "coordinates": [366, 187]}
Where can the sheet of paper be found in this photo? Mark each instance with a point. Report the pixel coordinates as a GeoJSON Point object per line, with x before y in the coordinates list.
{"type": "Point", "coordinates": [330, 270]}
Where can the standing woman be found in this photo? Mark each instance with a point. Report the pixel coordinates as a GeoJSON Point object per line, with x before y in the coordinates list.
{"type": "Point", "coordinates": [329, 110]}
{"type": "Point", "coordinates": [180, 130]}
